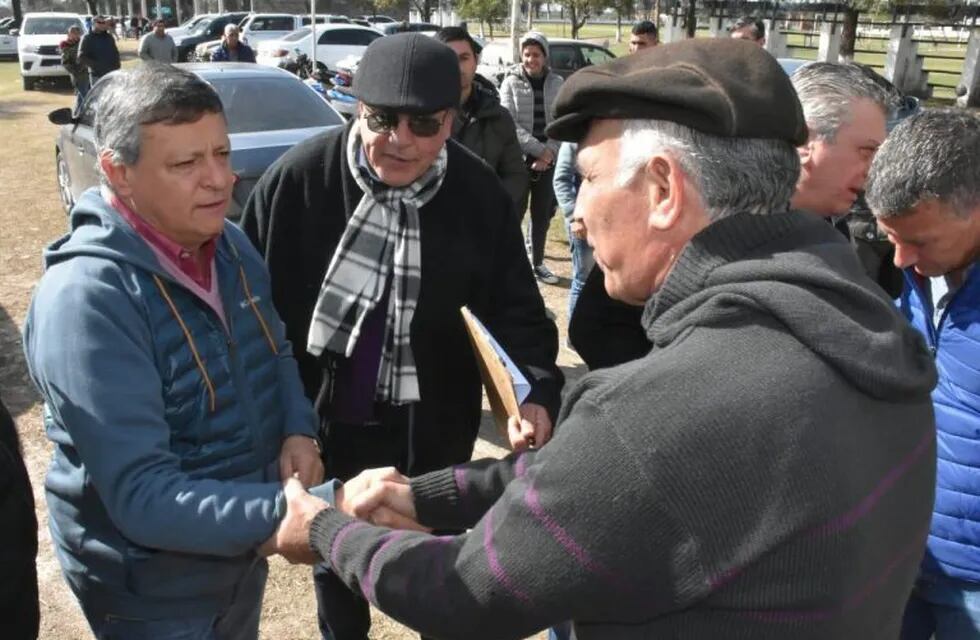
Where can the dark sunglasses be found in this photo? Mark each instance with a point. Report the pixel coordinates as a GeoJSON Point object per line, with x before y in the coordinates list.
{"type": "Point", "coordinates": [386, 121]}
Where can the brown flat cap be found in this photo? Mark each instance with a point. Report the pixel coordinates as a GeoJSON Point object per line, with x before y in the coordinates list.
{"type": "Point", "coordinates": [721, 86]}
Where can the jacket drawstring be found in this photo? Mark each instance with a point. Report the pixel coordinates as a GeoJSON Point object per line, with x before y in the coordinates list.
{"type": "Point", "coordinates": [255, 310]}
{"type": "Point", "coordinates": [190, 339]}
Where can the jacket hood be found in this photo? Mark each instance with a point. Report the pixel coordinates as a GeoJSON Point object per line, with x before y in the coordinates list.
{"type": "Point", "coordinates": [798, 270]}
{"type": "Point", "coordinates": [99, 230]}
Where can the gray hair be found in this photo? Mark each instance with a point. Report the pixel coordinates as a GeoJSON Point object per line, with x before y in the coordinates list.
{"type": "Point", "coordinates": [827, 91]}
{"type": "Point", "coordinates": [732, 175]}
{"type": "Point", "coordinates": [150, 93]}
{"type": "Point", "coordinates": [230, 28]}
{"type": "Point", "coordinates": [935, 154]}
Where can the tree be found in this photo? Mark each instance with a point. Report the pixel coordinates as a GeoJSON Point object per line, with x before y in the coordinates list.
{"type": "Point", "coordinates": [579, 11]}
{"type": "Point", "coordinates": [488, 11]}
{"type": "Point", "coordinates": [622, 8]}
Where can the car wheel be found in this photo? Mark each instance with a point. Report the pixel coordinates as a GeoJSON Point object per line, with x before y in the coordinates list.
{"type": "Point", "coordinates": [64, 183]}
{"type": "Point", "coordinates": [28, 83]}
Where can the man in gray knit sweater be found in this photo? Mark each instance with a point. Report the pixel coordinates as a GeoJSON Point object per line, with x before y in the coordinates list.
{"type": "Point", "coordinates": [767, 471]}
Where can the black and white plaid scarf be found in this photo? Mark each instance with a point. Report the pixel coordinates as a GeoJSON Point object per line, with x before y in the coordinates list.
{"type": "Point", "coordinates": [381, 235]}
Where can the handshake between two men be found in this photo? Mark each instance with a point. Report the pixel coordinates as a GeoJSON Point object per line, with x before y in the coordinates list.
{"type": "Point", "coordinates": [382, 497]}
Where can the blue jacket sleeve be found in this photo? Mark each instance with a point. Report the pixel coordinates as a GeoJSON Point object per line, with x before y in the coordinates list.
{"type": "Point", "coordinates": [566, 180]}
{"type": "Point", "coordinates": [89, 349]}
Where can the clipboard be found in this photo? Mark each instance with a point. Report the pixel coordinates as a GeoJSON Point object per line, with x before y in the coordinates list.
{"type": "Point", "coordinates": [506, 386]}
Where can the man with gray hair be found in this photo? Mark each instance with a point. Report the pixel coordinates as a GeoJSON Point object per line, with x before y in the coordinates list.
{"type": "Point", "coordinates": [924, 190]}
{"type": "Point", "coordinates": [172, 398]}
{"type": "Point", "coordinates": [751, 477]}
{"type": "Point", "coordinates": [845, 113]}
{"type": "Point", "coordinates": [232, 49]}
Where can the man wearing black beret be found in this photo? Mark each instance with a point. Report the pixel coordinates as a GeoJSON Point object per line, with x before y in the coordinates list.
{"type": "Point", "coordinates": [766, 471]}
{"type": "Point", "coordinates": [375, 235]}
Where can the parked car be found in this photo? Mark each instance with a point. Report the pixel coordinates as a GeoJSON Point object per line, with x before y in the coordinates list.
{"type": "Point", "coordinates": [8, 44]}
{"type": "Point", "coordinates": [565, 57]}
{"type": "Point", "coordinates": [260, 130]}
{"type": "Point", "coordinates": [376, 19]}
{"type": "Point", "coordinates": [334, 42]}
{"type": "Point", "coordinates": [210, 28]}
{"type": "Point", "coordinates": [185, 27]}
{"type": "Point", "coordinates": [260, 27]}
{"type": "Point", "coordinates": [390, 28]}
{"type": "Point", "coordinates": [790, 65]}
{"type": "Point", "coordinates": [37, 45]}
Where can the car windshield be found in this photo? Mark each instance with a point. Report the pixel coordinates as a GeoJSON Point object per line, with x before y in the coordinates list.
{"type": "Point", "coordinates": [35, 26]}
{"type": "Point", "coordinates": [295, 106]}
{"type": "Point", "coordinates": [190, 23]}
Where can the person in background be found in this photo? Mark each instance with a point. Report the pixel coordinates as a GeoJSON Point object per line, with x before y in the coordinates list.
{"type": "Point", "coordinates": [528, 92]}
{"type": "Point", "coordinates": [232, 49]}
{"type": "Point", "coordinates": [643, 36]}
{"type": "Point", "coordinates": [375, 235]}
{"type": "Point", "coordinates": [157, 45]}
{"type": "Point", "coordinates": [77, 72]}
{"type": "Point", "coordinates": [19, 607]}
{"type": "Point", "coordinates": [566, 184]}
{"type": "Point", "coordinates": [749, 28]}
{"type": "Point", "coordinates": [175, 407]}
{"type": "Point", "coordinates": [481, 124]}
{"type": "Point", "coordinates": [924, 190]}
{"type": "Point", "coordinates": [97, 51]}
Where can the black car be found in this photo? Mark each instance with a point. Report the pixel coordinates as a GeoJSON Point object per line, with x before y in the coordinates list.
{"type": "Point", "coordinates": [260, 130]}
{"type": "Point", "coordinates": [207, 29]}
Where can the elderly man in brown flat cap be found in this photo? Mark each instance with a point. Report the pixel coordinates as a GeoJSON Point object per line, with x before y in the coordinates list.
{"type": "Point", "coordinates": [766, 471]}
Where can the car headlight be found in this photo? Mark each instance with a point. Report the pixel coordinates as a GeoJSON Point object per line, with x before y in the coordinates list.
{"type": "Point", "coordinates": [30, 48]}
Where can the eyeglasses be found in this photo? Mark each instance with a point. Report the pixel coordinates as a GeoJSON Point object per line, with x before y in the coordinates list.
{"type": "Point", "coordinates": [386, 121]}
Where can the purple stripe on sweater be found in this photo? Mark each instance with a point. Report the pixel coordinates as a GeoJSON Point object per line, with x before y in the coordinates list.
{"type": "Point", "coordinates": [848, 519]}
{"type": "Point", "coordinates": [533, 501]}
{"type": "Point", "coordinates": [367, 580]}
{"type": "Point", "coordinates": [346, 530]}
{"type": "Point", "coordinates": [459, 476]}
{"type": "Point", "coordinates": [494, 562]}
{"type": "Point", "coordinates": [852, 602]}
{"type": "Point", "coordinates": [521, 467]}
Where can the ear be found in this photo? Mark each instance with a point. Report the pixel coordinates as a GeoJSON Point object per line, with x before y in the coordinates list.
{"type": "Point", "coordinates": [116, 174]}
{"type": "Point", "coordinates": [665, 181]}
{"type": "Point", "coordinates": [806, 153]}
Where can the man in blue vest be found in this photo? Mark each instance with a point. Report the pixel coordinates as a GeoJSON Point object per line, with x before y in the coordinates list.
{"type": "Point", "coordinates": [924, 189]}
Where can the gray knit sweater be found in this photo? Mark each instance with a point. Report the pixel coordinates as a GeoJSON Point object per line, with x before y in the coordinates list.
{"type": "Point", "coordinates": [766, 472]}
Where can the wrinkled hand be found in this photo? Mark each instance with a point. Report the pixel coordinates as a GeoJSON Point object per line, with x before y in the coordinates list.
{"type": "Point", "coordinates": [533, 429]}
{"type": "Point", "coordinates": [578, 229]}
{"type": "Point", "coordinates": [380, 496]}
{"type": "Point", "coordinates": [292, 539]}
{"type": "Point", "coordinates": [300, 457]}
{"type": "Point", "coordinates": [548, 157]}
{"type": "Point", "coordinates": [540, 164]}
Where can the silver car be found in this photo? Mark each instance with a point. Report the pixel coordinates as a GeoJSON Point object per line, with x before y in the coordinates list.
{"type": "Point", "coordinates": [268, 111]}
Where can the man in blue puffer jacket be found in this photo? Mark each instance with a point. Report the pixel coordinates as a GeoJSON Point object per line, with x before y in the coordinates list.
{"type": "Point", "coordinates": [172, 396]}
{"type": "Point", "coordinates": [924, 189]}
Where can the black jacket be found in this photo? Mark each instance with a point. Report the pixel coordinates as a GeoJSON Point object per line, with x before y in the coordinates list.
{"type": "Point", "coordinates": [19, 613]}
{"type": "Point", "coordinates": [484, 127]}
{"type": "Point", "coordinates": [472, 254]}
{"type": "Point", "coordinates": [98, 52]}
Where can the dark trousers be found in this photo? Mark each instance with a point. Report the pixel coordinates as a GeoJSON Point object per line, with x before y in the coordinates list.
{"type": "Point", "coordinates": [542, 197]}
{"type": "Point", "coordinates": [348, 450]}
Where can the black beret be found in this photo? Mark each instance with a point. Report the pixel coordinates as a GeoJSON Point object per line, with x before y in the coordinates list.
{"type": "Point", "coordinates": [408, 72]}
{"type": "Point", "coordinates": [721, 86]}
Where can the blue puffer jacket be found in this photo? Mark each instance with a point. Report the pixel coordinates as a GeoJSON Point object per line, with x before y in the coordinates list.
{"type": "Point", "coordinates": [166, 428]}
{"type": "Point", "coordinates": [953, 548]}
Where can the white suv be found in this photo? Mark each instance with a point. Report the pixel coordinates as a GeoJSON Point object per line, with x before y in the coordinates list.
{"type": "Point", "coordinates": [37, 45]}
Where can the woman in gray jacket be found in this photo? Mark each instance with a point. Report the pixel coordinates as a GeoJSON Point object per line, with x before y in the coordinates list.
{"type": "Point", "coordinates": [528, 92]}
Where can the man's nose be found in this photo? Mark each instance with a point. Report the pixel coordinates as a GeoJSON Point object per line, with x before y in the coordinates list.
{"type": "Point", "coordinates": [904, 256]}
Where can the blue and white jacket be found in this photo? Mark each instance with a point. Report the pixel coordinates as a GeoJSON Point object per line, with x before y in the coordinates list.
{"type": "Point", "coordinates": [166, 426]}
{"type": "Point", "coordinates": [953, 548]}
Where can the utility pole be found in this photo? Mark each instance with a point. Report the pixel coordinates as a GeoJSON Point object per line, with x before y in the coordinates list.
{"type": "Point", "coordinates": [313, 36]}
{"type": "Point", "coordinates": [515, 14]}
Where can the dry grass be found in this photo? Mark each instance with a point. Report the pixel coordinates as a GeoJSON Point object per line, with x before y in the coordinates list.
{"type": "Point", "coordinates": [30, 217]}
